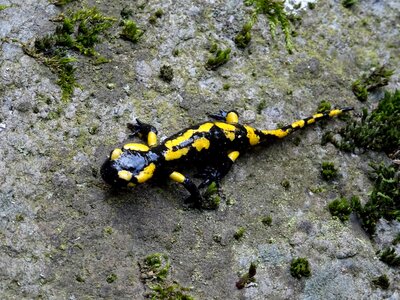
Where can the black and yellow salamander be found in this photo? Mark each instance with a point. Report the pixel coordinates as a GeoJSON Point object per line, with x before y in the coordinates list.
{"type": "Point", "coordinates": [212, 147]}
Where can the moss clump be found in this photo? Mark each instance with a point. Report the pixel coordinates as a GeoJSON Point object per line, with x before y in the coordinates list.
{"type": "Point", "coordinates": [166, 73]}
{"type": "Point", "coordinates": [261, 106]}
{"type": "Point", "coordinates": [211, 197]}
{"type": "Point", "coordinates": [111, 278]}
{"type": "Point", "coordinates": [19, 217]}
{"type": "Point", "coordinates": [286, 183]}
{"type": "Point", "coordinates": [3, 7]}
{"type": "Point", "coordinates": [379, 130]}
{"type": "Point", "coordinates": [341, 209]}
{"type": "Point", "coordinates": [155, 267]}
{"type": "Point", "coordinates": [300, 268]}
{"type": "Point", "coordinates": [169, 292]}
{"type": "Point", "coordinates": [267, 220]}
{"type": "Point", "coordinates": [79, 278]}
{"type": "Point", "coordinates": [243, 38]}
{"type": "Point", "coordinates": [382, 282]}
{"type": "Point", "coordinates": [108, 230]}
{"type": "Point", "coordinates": [239, 233]}
{"type": "Point", "coordinates": [384, 201]}
{"type": "Point", "coordinates": [157, 15]}
{"type": "Point", "coordinates": [390, 257]}
{"type": "Point", "coordinates": [396, 240]}
{"type": "Point", "coordinates": [276, 15]}
{"type": "Point", "coordinates": [311, 5]}
{"type": "Point", "coordinates": [349, 3]}
{"type": "Point", "coordinates": [248, 277]}
{"type": "Point", "coordinates": [130, 31]}
{"type": "Point", "coordinates": [79, 31]}
{"type": "Point", "coordinates": [378, 78]}
{"type": "Point", "coordinates": [221, 57]}
{"type": "Point", "coordinates": [324, 106]}
{"type": "Point", "coordinates": [328, 170]}
{"type": "Point", "coordinates": [226, 86]}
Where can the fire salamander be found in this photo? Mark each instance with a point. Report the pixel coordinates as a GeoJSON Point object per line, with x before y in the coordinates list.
{"type": "Point", "coordinates": [211, 146]}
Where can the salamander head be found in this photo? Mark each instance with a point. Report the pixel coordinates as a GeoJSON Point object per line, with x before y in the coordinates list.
{"type": "Point", "coordinates": [131, 165]}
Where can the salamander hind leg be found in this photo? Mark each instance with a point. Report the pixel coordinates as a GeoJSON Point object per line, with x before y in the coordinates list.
{"type": "Point", "coordinates": [145, 131]}
{"type": "Point", "coordinates": [212, 176]}
{"type": "Point", "coordinates": [231, 117]}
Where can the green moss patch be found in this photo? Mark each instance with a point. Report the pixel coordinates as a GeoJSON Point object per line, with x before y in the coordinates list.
{"type": "Point", "coordinates": [220, 58]}
{"type": "Point", "coordinates": [328, 170]}
{"type": "Point", "coordinates": [377, 78]}
{"type": "Point", "coordinates": [276, 15]}
{"type": "Point", "coordinates": [300, 267]}
{"type": "Point", "coordinates": [384, 201]}
{"type": "Point", "coordinates": [341, 209]}
{"type": "Point", "coordinates": [378, 130]}
{"type": "Point", "coordinates": [154, 272]}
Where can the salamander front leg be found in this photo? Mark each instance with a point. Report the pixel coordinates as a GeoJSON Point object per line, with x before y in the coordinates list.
{"type": "Point", "coordinates": [231, 117]}
{"type": "Point", "coordinates": [195, 197]}
{"type": "Point", "coordinates": [145, 131]}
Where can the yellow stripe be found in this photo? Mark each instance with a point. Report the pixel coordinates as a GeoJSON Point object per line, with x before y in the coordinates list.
{"type": "Point", "coordinates": [201, 143]}
{"type": "Point", "coordinates": [116, 154]}
{"type": "Point", "coordinates": [299, 123]}
{"type": "Point", "coordinates": [171, 155]}
{"type": "Point", "coordinates": [146, 174]}
{"type": "Point", "coordinates": [136, 147]}
{"type": "Point", "coordinates": [310, 121]}
{"type": "Point", "coordinates": [233, 155]}
{"type": "Point", "coordinates": [125, 175]}
{"type": "Point", "coordinates": [254, 139]}
{"type": "Point", "coordinates": [178, 177]}
{"type": "Point", "coordinates": [280, 133]}
{"type": "Point", "coordinates": [335, 112]}
{"type": "Point", "coordinates": [317, 116]}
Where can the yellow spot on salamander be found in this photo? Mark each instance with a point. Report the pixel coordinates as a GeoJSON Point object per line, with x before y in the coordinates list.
{"type": "Point", "coordinates": [205, 127]}
{"type": "Point", "coordinates": [178, 177]}
{"type": "Point", "coordinates": [317, 116]}
{"type": "Point", "coordinates": [310, 121]}
{"type": "Point", "coordinates": [299, 123]}
{"type": "Point", "coordinates": [152, 139]}
{"type": "Point", "coordinates": [131, 184]}
{"type": "Point", "coordinates": [280, 133]}
{"type": "Point", "coordinates": [233, 155]}
{"type": "Point", "coordinates": [201, 143]}
{"type": "Point", "coordinates": [136, 147]}
{"type": "Point", "coordinates": [125, 175]}
{"type": "Point", "coordinates": [254, 139]}
{"type": "Point", "coordinates": [171, 155]}
{"type": "Point", "coordinates": [232, 118]}
{"type": "Point", "coordinates": [335, 112]}
{"type": "Point", "coordinates": [146, 174]}
{"type": "Point", "coordinates": [116, 154]}
{"type": "Point", "coordinates": [229, 130]}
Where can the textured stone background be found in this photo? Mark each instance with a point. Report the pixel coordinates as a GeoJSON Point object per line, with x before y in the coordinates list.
{"type": "Point", "coordinates": [59, 222]}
